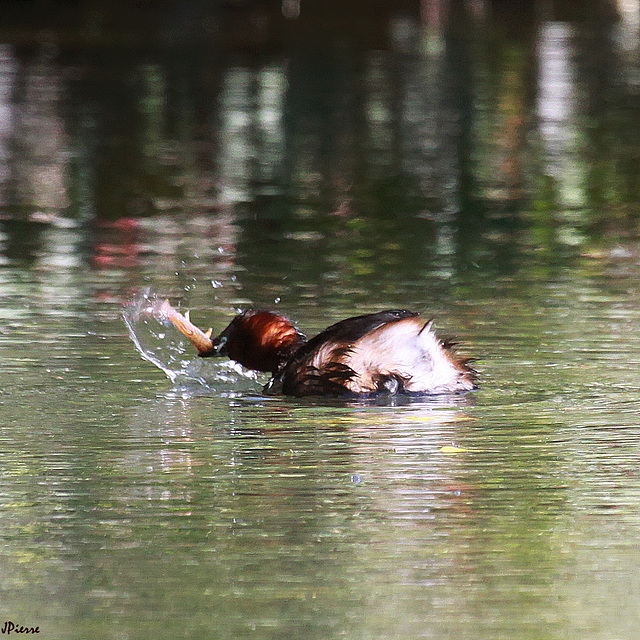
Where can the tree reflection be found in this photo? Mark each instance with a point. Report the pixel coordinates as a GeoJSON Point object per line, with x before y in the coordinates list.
{"type": "Point", "coordinates": [442, 136]}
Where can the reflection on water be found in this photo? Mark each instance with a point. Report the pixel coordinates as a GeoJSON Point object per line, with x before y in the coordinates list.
{"type": "Point", "coordinates": [476, 161]}
{"type": "Point", "coordinates": [431, 150]}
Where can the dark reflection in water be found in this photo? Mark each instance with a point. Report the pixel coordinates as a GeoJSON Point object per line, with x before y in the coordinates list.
{"type": "Point", "coordinates": [474, 125]}
{"type": "Point", "coordinates": [475, 160]}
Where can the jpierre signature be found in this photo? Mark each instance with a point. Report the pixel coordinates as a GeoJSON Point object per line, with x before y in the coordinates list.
{"type": "Point", "coordinates": [12, 627]}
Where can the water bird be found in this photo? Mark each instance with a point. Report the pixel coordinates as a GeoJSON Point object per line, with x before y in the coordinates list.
{"type": "Point", "coordinates": [392, 351]}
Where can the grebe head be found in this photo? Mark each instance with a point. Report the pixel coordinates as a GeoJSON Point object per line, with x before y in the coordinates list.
{"type": "Point", "coordinates": [258, 340]}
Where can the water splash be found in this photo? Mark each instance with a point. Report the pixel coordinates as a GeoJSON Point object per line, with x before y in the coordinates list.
{"type": "Point", "coordinates": [160, 343]}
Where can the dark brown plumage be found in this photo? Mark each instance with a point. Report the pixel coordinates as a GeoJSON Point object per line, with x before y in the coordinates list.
{"type": "Point", "coordinates": [258, 340]}
{"type": "Point", "coordinates": [390, 351]}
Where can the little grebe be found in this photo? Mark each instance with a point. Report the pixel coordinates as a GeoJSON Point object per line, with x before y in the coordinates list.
{"type": "Point", "coordinates": [390, 351]}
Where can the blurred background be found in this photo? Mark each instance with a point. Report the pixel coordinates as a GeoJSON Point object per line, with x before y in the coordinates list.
{"type": "Point", "coordinates": [363, 140]}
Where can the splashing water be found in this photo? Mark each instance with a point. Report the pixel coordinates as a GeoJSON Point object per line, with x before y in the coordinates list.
{"type": "Point", "coordinates": [159, 342]}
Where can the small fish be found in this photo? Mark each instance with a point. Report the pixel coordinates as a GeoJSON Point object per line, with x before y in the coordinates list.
{"type": "Point", "coordinates": [201, 340]}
